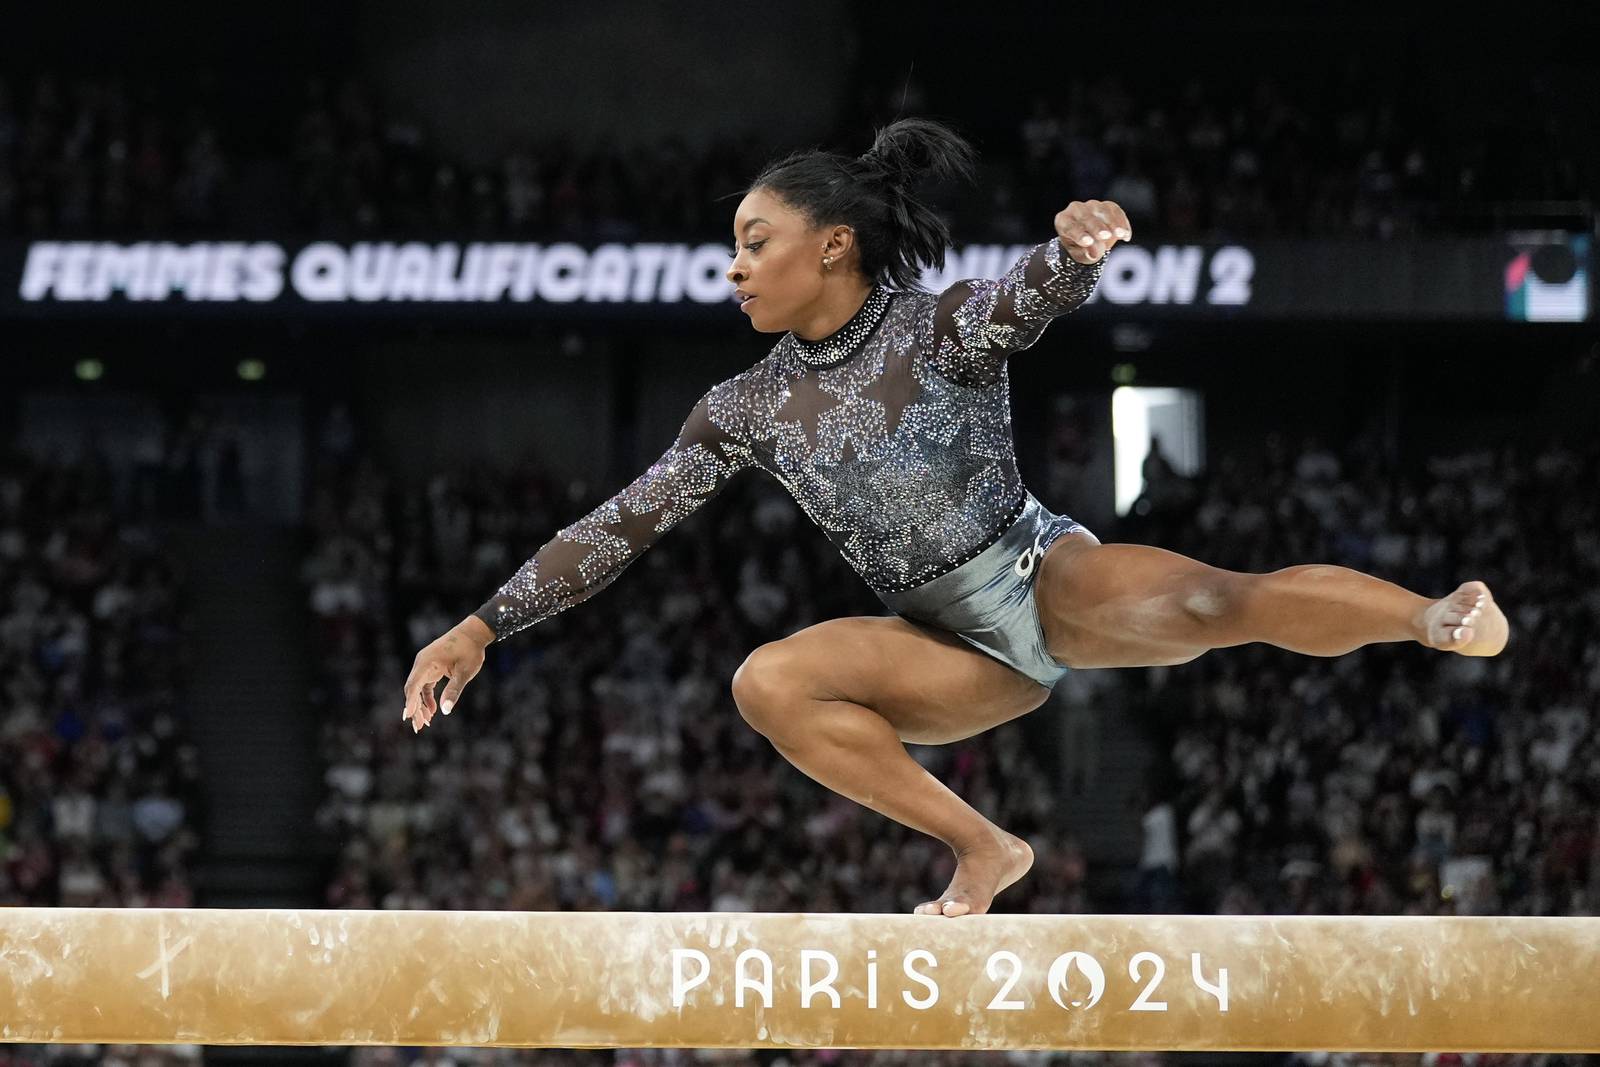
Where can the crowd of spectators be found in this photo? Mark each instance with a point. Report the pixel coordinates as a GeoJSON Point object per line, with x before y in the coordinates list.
{"type": "Point", "coordinates": [101, 1055]}
{"type": "Point", "coordinates": [363, 167]}
{"type": "Point", "coordinates": [98, 786]}
{"type": "Point", "coordinates": [1188, 159]}
{"type": "Point", "coordinates": [1194, 160]}
{"type": "Point", "coordinates": [99, 789]}
{"type": "Point", "coordinates": [107, 157]}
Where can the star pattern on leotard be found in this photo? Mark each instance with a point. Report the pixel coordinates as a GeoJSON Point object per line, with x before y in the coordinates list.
{"type": "Point", "coordinates": [850, 430]}
{"type": "Point", "coordinates": [602, 531]}
{"type": "Point", "coordinates": [672, 488]}
{"type": "Point", "coordinates": [878, 391]}
{"type": "Point", "coordinates": [881, 550]}
{"type": "Point", "coordinates": [806, 405]}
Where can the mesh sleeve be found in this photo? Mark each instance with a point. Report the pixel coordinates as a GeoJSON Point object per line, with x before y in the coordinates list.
{"type": "Point", "coordinates": [977, 324]}
{"type": "Point", "coordinates": [585, 557]}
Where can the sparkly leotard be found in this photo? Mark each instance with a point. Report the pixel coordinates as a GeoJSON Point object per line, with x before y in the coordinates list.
{"type": "Point", "coordinates": [893, 435]}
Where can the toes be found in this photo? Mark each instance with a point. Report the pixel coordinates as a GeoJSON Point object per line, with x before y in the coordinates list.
{"type": "Point", "coordinates": [947, 908]}
{"type": "Point", "coordinates": [1460, 614]}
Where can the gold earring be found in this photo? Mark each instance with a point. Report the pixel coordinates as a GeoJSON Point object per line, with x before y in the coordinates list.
{"type": "Point", "coordinates": [827, 263]}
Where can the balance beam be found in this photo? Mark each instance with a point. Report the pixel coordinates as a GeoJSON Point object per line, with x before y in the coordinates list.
{"type": "Point", "coordinates": [273, 977]}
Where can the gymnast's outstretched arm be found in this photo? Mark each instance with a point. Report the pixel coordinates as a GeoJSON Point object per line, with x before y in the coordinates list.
{"type": "Point", "coordinates": [978, 323]}
{"type": "Point", "coordinates": [585, 557]}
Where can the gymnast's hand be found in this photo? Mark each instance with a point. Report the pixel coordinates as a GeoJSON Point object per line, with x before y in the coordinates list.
{"type": "Point", "coordinates": [458, 655]}
{"type": "Point", "coordinates": [1088, 228]}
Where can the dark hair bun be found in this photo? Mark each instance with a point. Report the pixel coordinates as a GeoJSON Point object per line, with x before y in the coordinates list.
{"type": "Point", "coordinates": [908, 151]}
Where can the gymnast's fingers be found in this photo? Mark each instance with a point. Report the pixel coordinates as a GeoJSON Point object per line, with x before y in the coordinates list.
{"type": "Point", "coordinates": [1099, 221]}
{"type": "Point", "coordinates": [1119, 221]}
{"type": "Point", "coordinates": [425, 671]}
{"type": "Point", "coordinates": [1112, 223]}
{"type": "Point", "coordinates": [1077, 228]}
{"type": "Point", "coordinates": [462, 671]}
{"type": "Point", "coordinates": [1073, 228]}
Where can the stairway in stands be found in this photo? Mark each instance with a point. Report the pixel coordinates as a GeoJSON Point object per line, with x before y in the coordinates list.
{"type": "Point", "coordinates": [247, 685]}
{"type": "Point", "coordinates": [1105, 748]}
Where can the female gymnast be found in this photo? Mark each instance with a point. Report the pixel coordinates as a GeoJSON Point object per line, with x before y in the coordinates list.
{"type": "Point", "coordinates": [885, 412]}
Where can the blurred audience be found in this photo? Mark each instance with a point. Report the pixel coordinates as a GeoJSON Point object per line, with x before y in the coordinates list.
{"type": "Point", "coordinates": [99, 794]}
{"type": "Point", "coordinates": [1189, 159]}
{"type": "Point", "coordinates": [93, 156]}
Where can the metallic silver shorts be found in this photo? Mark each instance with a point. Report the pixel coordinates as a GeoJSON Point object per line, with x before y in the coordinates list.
{"type": "Point", "coordinates": [988, 600]}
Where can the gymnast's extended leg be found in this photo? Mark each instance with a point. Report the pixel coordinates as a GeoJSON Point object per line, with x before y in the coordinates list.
{"type": "Point", "coordinates": [838, 699]}
{"type": "Point", "coordinates": [1134, 605]}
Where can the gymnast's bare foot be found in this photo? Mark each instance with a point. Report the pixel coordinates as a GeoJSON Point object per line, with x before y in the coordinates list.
{"type": "Point", "coordinates": [981, 873]}
{"type": "Point", "coordinates": [1467, 621]}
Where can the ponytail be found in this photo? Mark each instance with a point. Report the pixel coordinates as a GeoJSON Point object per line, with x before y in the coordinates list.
{"type": "Point", "coordinates": [897, 234]}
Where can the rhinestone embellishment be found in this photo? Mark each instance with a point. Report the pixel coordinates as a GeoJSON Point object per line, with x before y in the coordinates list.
{"type": "Point", "coordinates": [842, 343]}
